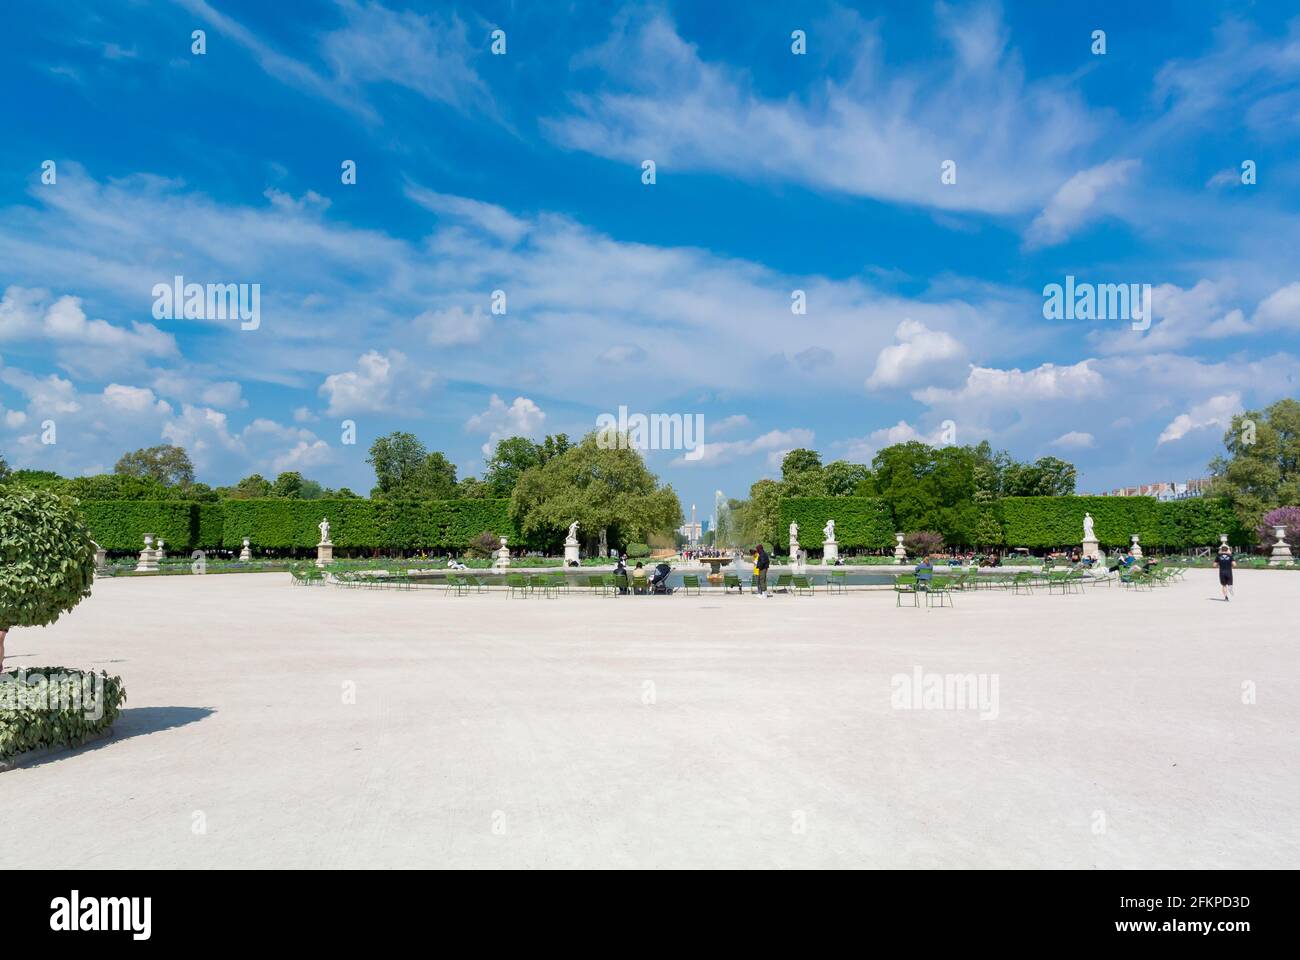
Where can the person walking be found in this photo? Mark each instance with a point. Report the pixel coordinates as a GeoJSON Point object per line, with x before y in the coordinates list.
{"type": "Point", "coordinates": [1225, 571]}
{"type": "Point", "coordinates": [761, 562]}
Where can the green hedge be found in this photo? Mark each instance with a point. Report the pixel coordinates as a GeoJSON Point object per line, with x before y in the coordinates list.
{"type": "Point", "coordinates": [46, 706]}
{"type": "Point", "coordinates": [121, 524]}
{"type": "Point", "coordinates": [860, 522]}
{"type": "Point", "coordinates": [364, 524]}
{"type": "Point", "coordinates": [1039, 522]}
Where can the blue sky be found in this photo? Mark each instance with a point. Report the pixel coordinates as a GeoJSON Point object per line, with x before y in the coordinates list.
{"type": "Point", "coordinates": [521, 172]}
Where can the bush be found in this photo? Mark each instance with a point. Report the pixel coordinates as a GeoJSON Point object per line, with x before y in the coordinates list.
{"type": "Point", "coordinates": [368, 524]}
{"type": "Point", "coordinates": [635, 551]}
{"type": "Point", "coordinates": [48, 706]}
{"type": "Point", "coordinates": [485, 544]}
{"type": "Point", "coordinates": [923, 542]}
{"type": "Point", "coordinates": [860, 522]}
{"type": "Point", "coordinates": [47, 561]}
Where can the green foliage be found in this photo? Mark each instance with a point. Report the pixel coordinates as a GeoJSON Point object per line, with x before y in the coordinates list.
{"type": "Point", "coordinates": [860, 522]}
{"type": "Point", "coordinates": [37, 479]}
{"type": "Point", "coordinates": [603, 487]}
{"type": "Point", "coordinates": [120, 525]}
{"type": "Point", "coordinates": [364, 524]}
{"type": "Point", "coordinates": [635, 551]}
{"type": "Point", "coordinates": [208, 523]}
{"type": "Point", "coordinates": [1262, 469]}
{"type": "Point", "coordinates": [48, 706]}
{"type": "Point", "coordinates": [167, 464]}
{"type": "Point", "coordinates": [1038, 522]}
{"type": "Point", "coordinates": [484, 544]}
{"type": "Point", "coordinates": [288, 485]}
{"type": "Point", "coordinates": [405, 470]}
{"type": "Point", "coordinates": [47, 561]}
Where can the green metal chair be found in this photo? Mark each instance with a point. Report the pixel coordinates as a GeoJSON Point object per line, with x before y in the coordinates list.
{"type": "Point", "coordinates": [784, 581]}
{"type": "Point", "coordinates": [801, 584]}
{"type": "Point", "coordinates": [939, 588]}
{"type": "Point", "coordinates": [730, 580]}
{"type": "Point", "coordinates": [690, 581]}
{"type": "Point", "coordinates": [905, 585]}
{"type": "Point", "coordinates": [837, 582]}
{"type": "Point", "coordinates": [516, 584]}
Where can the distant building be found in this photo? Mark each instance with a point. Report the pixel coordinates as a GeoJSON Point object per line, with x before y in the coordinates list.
{"type": "Point", "coordinates": [1168, 490]}
{"type": "Point", "coordinates": [693, 530]}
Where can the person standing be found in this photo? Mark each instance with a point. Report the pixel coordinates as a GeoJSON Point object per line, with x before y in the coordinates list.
{"type": "Point", "coordinates": [761, 562]}
{"type": "Point", "coordinates": [1225, 571]}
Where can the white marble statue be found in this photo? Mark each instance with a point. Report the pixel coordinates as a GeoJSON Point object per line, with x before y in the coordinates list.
{"type": "Point", "coordinates": [573, 530]}
{"type": "Point", "coordinates": [324, 530]}
{"type": "Point", "coordinates": [828, 531]}
{"type": "Point", "coordinates": [1087, 527]}
{"type": "Point", "coordinates": [794, 532]}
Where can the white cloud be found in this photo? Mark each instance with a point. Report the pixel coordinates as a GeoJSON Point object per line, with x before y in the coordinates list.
{"type": "Point", "coordinates": [1218, 412]}
{"type": "Point", "coordinates": [736, 421]}
{"type": "Point", "coordinates": [128, 399]}
{"type": "Point", "coordinates": [876, 130]}
{"type": "Point", "coordinates": [495, 220]}
{"type": "Point", "coordinates": [775, 443]}
{"type": "Point", "coordinates": [455, 326]}
{"type": "Point", "coordinates": [919, 351]}
{"type": "Point", "coordinates": [1077, 202]}
{"type": "Point", "coordinates": [1075, 440]}
{"type": "Point", "coordinates": [521, 418]}
{"type": "Point", "coordinates": [83, 344]}
{"type": "Point", "coordinates": [1281, 309]}
{"type": "Point", "coordinates": [381, 382]}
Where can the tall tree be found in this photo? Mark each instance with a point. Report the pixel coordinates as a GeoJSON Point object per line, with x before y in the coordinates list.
{"type": "Point", "coordinates": [608, 490]}
{"type": "Point", "coordinates": [288, 485]}
{"type": "Point", "coordinates": [169, 465]}
{"type": "Point", "coordinates": [405, 469]}
{"type": "Point", "coordinates": [1262, 469]}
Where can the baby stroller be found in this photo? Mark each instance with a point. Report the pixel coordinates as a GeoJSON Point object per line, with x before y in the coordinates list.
{"type": "Point", "coordinates": [659, 582]}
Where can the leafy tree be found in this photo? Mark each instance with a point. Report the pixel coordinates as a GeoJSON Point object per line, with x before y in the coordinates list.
{"type": "Point", "coordinates": [253, 487]}
{"type": "Point", "coordinates": [37, 479]}
{"type": "Point", "coordinates": [47, 559]}
{"type": "Point", "coordinates": [288, 486]}
{"type": "Point", "coordinates": [921, 543]}
{"type": "Point", "coordinates": [988, 531]}
{"type": "Point", "coordinates": [799, 461]}
{"type": "Point", "coordinates": [4, 469]}
{"type": "Point", "coordinates": [472, 488]}
{"type": "Point", "coordinates": [608, 490]}
{"type": "Point", "coordinates": [842, 478]}
{"type": "Point", "coordinates": [484, 544]}
{"type": "Point", "coordinates": [1046, 477]}
{"type": "Point", "coordinates": [761, 519]}
{"type": "Point", "coordinates": [509, 460]}
{"type": "Point", "coordinates": [404, 469]}
{"type": "Point", "coordinates": [1262, 469]}
{"type": "Point", "coordinates": [169, 465]}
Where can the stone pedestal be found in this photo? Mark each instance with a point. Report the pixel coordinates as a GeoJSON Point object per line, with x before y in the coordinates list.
{"type": "Point", "coordinates": [1281, 549]}
{"type": "Point", "coordinates": [571, 552]}
{"type": "Point", "coordinates": [900, 552]}
{"type": "Point", "coordinates": [147, 563]}
{"type": "Point", "coordinates": [1136, 549]}
{"type": "Point", "coordinates": [1091, 548]}
{"type": "Point", "coordinates": [324, 554]}
{"type": "Point", "coordinates": [101, 560]}
{"type": "Point", "coordinates": [830, 553]}
{"type": "Point", "coordinates": [159, 553]}
{"type": "Point", "coordinates": [794, 551]}
{"type": "Point", "coordinates": [246, 554]}
{"type": "Point", "coordinates": [503, 556]}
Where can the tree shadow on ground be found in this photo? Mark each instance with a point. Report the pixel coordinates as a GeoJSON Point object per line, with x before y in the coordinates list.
{"type": "Point", "coordinates": [133, 722]}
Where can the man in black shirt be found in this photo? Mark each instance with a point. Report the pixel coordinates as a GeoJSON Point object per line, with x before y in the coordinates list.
{"type": "Point", "coordinates": [1225, 571]}
{"type": "Point", "coordinates": [761, 563]}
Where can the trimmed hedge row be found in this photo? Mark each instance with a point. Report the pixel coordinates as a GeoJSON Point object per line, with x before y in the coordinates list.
{"type": "Point", "coordinates": [120, 525]}
{"type": "Point", "coordinates": [47, 706]}
{"type": "Point", "coordinates": [860, 522]}
{"type": "Point", "coordinates": [1034, 522]}
{"type": "Point", "coordinates": [1037, 522]}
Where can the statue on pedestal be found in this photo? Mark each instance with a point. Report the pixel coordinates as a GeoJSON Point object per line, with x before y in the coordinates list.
{"type": "Point", "coordinates": [1087, 528]}
{"type": "Point", "coordinates": [324, 530]}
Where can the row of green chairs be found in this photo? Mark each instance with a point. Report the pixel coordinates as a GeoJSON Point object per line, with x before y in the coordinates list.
{"type": "Point", "coordinates": [937, 590]}
{"type": "Point", "coordinates": [307, 576]}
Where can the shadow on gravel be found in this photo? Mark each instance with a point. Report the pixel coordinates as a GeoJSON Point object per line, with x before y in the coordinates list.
{"type": "Point", "coordinates": [133, 722]}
